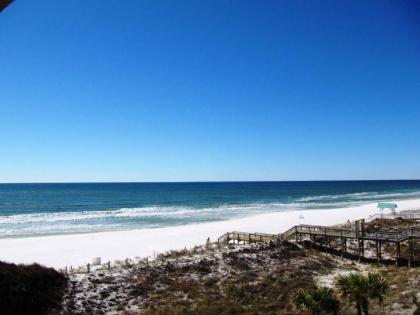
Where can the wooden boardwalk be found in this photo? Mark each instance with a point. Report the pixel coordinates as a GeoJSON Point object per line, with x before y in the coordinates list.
{"type": "Point", "coordinates": [385, 236]}
{"type": "Point", "coordinates": [246, 238]}
{"type": "Point", "coordinates": [326, 236]}
{"type": "Point", "coordinates": [407, 215]}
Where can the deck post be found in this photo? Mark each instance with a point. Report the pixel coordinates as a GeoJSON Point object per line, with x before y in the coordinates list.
{"type": "Point", "coordinates": [326, 238]}
{"type": "Point", "coordinates": [410, 252]}
{"type": "Point", "coordinates": [327, 244]}
{"type": "Point", "coordinates": [360, 248]}
{"type": "Point", "coordinates": [363, 248]}
{"type": "Point", "coordinates": [378, 251]}
{"type": "Point", "coordinates": [397, 254]}
{"type": "Point", "coordinates": [358, 238]}
{"type": "Point", "coordinates": [343, 246]}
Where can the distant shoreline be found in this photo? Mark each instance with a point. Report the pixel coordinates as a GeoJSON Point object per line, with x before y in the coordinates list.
{"type": "Point", "coordinates": [28, 210]}
{"type": "Point", "coordinates": [78, 249]}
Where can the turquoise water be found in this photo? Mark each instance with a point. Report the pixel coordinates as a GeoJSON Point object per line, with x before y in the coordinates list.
{"type": "Point", "coordinates": [42, 209]}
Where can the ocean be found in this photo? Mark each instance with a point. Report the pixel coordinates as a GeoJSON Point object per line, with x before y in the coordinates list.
{"type": "Point", "coordinates": [53, 209]}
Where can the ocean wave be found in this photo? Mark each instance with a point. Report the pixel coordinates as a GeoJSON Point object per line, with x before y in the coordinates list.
{"type": "Point", "coordinates": [333, 197]}
{"type": "Point", "coordinates": [163, 212]}
{"type": "Point", "coordinates": [362, 196]}
{"type": "Point", "coordinates": [90, 215]}
{"type": "Point", "coordinates": [77, 221]}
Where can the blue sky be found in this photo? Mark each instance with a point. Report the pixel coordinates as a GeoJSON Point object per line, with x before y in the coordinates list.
{"type": "Point", "coordinates": [209, 90]}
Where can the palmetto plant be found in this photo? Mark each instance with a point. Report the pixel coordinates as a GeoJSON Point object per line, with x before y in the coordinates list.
{"type": "Point", "coordinates": [316, 301]}
{"type": "Point", "coordinates": [417, 304]}
{"type": "Point", "coordinates": [359, 289]}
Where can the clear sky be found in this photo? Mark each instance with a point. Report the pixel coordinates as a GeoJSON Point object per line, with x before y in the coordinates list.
{"type": "Point", "coordinates": [209, 90]}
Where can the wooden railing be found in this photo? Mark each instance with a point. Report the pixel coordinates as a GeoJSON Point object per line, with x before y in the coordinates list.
{"type": "Point", "coordinates": [244, 237]}
{"type": "Point", "coordinates": [411, 215]}
{"type": "Point", "coordinates": [397, 236]}
{"type": "Point", "coordinates": [289, 233]}
{"type": "Point", "coordinates": [247, 237]}
{"type": "Point", "coordinates": [324, 230]}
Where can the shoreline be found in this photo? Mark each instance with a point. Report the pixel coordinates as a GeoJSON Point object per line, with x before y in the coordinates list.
{"type": "Point", "coordinates": [75, 250]}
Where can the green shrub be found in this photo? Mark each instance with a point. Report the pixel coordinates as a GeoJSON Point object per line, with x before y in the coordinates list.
{"type": "Point", "coordinates": [317, 301]}
{"type": "Point", "coordinates": [359, 289]}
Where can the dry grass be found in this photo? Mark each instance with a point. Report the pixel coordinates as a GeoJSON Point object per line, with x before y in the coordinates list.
{"type": "Point", "coordinates": [246, 279]}
{"type": "Point", "coordinates": [240, 279]}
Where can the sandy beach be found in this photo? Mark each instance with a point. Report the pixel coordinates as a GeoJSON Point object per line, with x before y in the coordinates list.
{"type": "Point", "coordinates": [79, 249]}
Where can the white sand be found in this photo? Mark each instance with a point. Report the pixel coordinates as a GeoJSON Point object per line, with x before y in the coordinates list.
{"type": "Point", "coordinates": [79, 249]}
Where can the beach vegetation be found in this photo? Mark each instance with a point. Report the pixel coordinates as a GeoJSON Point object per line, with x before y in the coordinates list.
{"type": "Point", "coordinates": [417, 304]}
{"type": "Point", "coordinates": [30, 289]}
{"type": "Point", "coordinates": [317, 301]}
{"type": "Point", "coordinates": [360, 289]}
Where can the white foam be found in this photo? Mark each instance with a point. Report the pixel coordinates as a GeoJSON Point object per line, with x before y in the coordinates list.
{"type": "Point", "coordinates": [362, 196]}
{"type": "Point", "coordinates": [79, 249]}
{"type": "Point", "coordinates": [37, 224]}
{"type": "Point", "coordinates": [74, 222]}
{"type": "Point", "coordinates": [170, 211]}
{"type": "Point", "coordinates": [332, 197]}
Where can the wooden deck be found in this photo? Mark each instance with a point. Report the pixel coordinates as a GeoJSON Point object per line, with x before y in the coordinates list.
{"type": "Point", "coordinates": [407, 215]}
{"type": "Point", "coordinates": [325, 236]}
{"type": "Point", "coordinates": [386, 236]}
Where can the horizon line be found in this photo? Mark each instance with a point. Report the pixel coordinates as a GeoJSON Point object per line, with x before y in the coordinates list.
{"type": "Point", "coordinates": [209, 181]}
